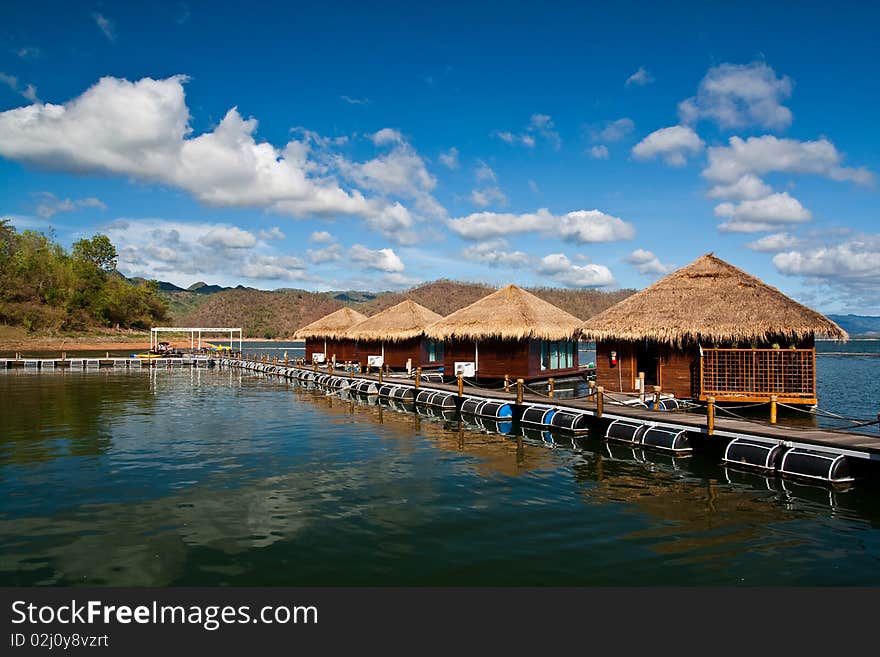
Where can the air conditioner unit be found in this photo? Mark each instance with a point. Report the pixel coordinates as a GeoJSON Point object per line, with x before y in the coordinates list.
{"type": "Point", "coordinates": [319, 358]}
{"type": "Point", "coordinates": [375, 361]}
{"type": "Point", "coordinates": [465, 369]}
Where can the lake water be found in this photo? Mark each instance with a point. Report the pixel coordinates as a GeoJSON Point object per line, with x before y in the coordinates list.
{"type": "Point", "coordinates": [219, 477]}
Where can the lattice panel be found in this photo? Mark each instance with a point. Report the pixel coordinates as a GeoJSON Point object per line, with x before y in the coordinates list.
{"type": "Point", "coordinates": [758, 373]}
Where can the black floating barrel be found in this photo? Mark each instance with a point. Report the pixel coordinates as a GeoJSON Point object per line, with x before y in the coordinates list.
{"type": "Point", "coordinates": [423, 398]}
{"type": "Point", "coordinates": [385, 390]}
{"type": "Point", "coordinates": [813, 464]}
{"type": "Point", "coordinates": [471, 405]}
{"type": "Point", "coordinates": [627, 432]}
{"type": "Point", "coordinates": [571, 421]}
{"type": "Point", "coordinates": [537, 415]}
{"type": "Point", "coordinates": [403, 393]}
{"type": "Point", "coordinates": [667, 440]}
{"type": "Point", "coordinates": [752, 453]}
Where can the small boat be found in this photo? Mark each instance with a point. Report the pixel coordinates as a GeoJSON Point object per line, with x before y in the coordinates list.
{"type": "Point", "coordinates": [148, 354]}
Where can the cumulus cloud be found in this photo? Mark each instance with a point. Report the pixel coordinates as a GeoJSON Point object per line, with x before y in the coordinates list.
{"type": "Point", "coordinates": [851, 269]}
{"type": "Point", "coordinates": [766, 154]}
{"type": "Point", "coordinates": [599, 152]}
{"type": "Point", "coordinates": [640, 78]}
{"type": "Point", "coordinates": [107, 26]}
{"type": "Point", "coordinates": [762, 214]}
{"type": "Point", "coordinates": [496, 253]}
{"type": "Point", "coordinates": [613, 131]}
{"type": "Point", "coordinates": [647, 263]}
{"type": "Point", "coordinates": [329, 253]}
{"type": "Point", "coordinates": [274, 233]}
{"type": "Point", "coordinates": [274, 268]}
{"type": "Point", "coordinates": [449, 159]}
{"type": "Point", "coordinates": [558, 267]}
{"type": "Point", "coordinates": [49, 205]}
{"type": "Point", "coordinates": [540, 126]}
{"type": "Point", "coordinates": [484, 173]}
{"type": "Point", "coordinates": [230, 237]}
{"type": "Point", "coordinates": [673, 144]}
{"type": "Point", "coordinates": [487, 196]}
{"type": "Point", "coordinates": [381, 259]}
{"type": "Point", "coordinates": [579, 226]}
{"type": "Point", "coordinates": [142, 130]}
{"type": "Point", "coordinates": [748, 186]}
{"type": "Point", "coordinates": [775, 243]}
{"type": "Point", "coordinates": [739, 95]}
{"type": "Point", "coordinates": [321, 237]}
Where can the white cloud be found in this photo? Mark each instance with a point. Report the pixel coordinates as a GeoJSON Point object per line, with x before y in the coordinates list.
{"type": "Point", "coordinates": [142, 130]}
{"type": "Point", "coordinates": [274, 233]}
{"type": "Point", "coordinates": [673, 144]}
{"type": "Point", "coordinates": [329, 253]}
{"type": "Point", "coordinates": [487, 196]}
{"type": "Point", "coordinates": [640, 78]}
{"type": "Point", "coordinates": [775, 243]}
{"type": "Point", "coordinates": [449, 159]}
{"type": "Point", "coordinates": [229, 237]}
{"type": "Point", "coordinates": [9, 80]}
{"type": "Point", "coordinates": [48, 205]}
{"type": "Point", "coordinates": [599, 152]}
{"type": "Point", "coordinates": [563, 271]}
{"type": "Point", "coordinates": [647, 263]}
{"type": "Point", "coordinates": [534, 187]}
{"type": "Point", "coordinates": [27, 52]}
{"type": "Point", "coordinates": [496, 253]}
{"type": "Point", "coordinates": [762, 214]}
{"type": "Point", "coordinates": [355, 101]}
{"type": "Point", "coordinates": [748, 186]}
{"type": "Point", "coordinates": [29, 92]}
{"type": "Point", "coordinates": [539, 126]}
{"type": "Point", "coordinates": [736, 95]}
{"type": "Point", "coordinates": [578, 226]}
{"type": "Point", "coordinates": [107, 26]}
{"type": "Point", "coordinates": [382, 259]}
{"type": "Point", "coordinates": [759, 155]}
{"type": "Point", "coordinates": [274, 268]}
{"type": "Point", "coordinates": [613, 130]}
{"type": "Point", "coordinates": [321, 237]}
{"type": "Point", "coordinates": [483, 172]}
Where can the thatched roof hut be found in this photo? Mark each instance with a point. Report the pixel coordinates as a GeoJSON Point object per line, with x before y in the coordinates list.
{"type": "Point", "coordinates": [330, 327]}
{"type": "Point", "coordinates": [404, 321]}
{"type": "Point", "coordinates": [709, 301]}
{"type": "Point", "coordinates": [511, 313]}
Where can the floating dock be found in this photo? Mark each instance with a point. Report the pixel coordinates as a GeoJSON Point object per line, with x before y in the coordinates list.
{"type": "Point", "coordinates": [89, 363]}
{"type": "Point", "coordinates": [801, 452]}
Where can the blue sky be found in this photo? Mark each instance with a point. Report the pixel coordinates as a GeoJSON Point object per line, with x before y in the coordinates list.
{"type": "Point", "coordinates": [376, 146]}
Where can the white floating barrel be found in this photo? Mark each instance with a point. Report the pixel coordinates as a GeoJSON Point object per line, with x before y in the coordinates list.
{"type": "Point", "coordinates": [813, 464]}
{"type": "Point", "coordinates": [538, 415]}
{"type": "Point", "coordinates": [627, 432]}
{"type": "Point", "coordinates": [752, 453]}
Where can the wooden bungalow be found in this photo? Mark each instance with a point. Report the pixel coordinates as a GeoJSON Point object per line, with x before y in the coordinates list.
{"type": "Point", "coordinates": [509, 332]}
{"type": "Point", "coordinates": [711, 330]}
{"type": "Point", "coordinates": [326, 336]}
{"type": "Point", "coordinates": [397, 334]}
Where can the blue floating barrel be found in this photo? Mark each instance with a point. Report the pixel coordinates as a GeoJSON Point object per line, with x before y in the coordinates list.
{"type": "Point", "coordinates": [571, 421]}
{"type": "Point", "coordinates": [813, 464]}
{"type": "Point", "coordinates": [753, 453]}
{"type": "Point", "coordinates": [494, 425]}
{"type": "Point", "coordinates": [534, 433]}
{"type": "Point", "coordinates": [627, 432]}
{"type": "Point", "coordinates": [538, 415]}
{"type": "Point", "coordinates": [667, 440]}
{"type": "Point", "coordinates": [496, 408]}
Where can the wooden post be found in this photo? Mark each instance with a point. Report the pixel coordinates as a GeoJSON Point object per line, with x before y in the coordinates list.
{"type": "Point", "coordinates": [506, 383]}
{"type": "Point", "coordinates": [550, 386]}
{"type": "Point", "coordinates": [710, 415]}
{"type": "Point", "coordinates": [656, 398]}
{"type": "Point", "coordinates": [380, 374]}
{"type": "Point", "coordinates": [315, 366]}
{"type": "Point", "coordinates": [642, 386]}
{"type": "Point", "coordinates": [275, 359]}
{"type": "Point", "coordinates": [418, 376]}
{"type": "Point", "coordinates": [519, 391]}
{"type": "Point", "coordinates": [460, 385]}
{"type": "Point", "coordinates": [591, 385]}
{"type": "Point", "coordinates": [600, 400]}
{"type": "Point", "coordinates": [773, 400]}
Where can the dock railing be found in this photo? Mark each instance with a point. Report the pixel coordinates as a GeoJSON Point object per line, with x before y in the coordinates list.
{"type": "Point", "coordinates": [755, 375]}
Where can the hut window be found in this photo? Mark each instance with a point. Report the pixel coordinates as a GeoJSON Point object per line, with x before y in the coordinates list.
{"type": "Point", "coordinates": [435, 351]}
{"type": "Point", "coordinates": [557, 355]}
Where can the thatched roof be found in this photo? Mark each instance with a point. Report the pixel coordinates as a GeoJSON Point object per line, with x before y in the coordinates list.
{"type": "Point", "coordinates": [709, 301]}
{"type": "Point", "coordinates": [404, 321]}
{"type": "Point", "coordinates": [511, 313]}
{"type": "Point", "coordinates": [330, 326]}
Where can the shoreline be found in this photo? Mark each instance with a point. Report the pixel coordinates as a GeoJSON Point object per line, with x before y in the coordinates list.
{"type": "Point", "coordinates": [97, 343]}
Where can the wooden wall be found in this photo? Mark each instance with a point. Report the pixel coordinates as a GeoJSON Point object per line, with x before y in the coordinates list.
{"type": "Point", "coordinates": [344, 349]}
{"type": "Point", "coordinates": [519, 359]}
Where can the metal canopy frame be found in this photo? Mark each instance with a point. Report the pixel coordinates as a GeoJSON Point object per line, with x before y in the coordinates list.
{"type": "Point", "coordinates": [195, 333]}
